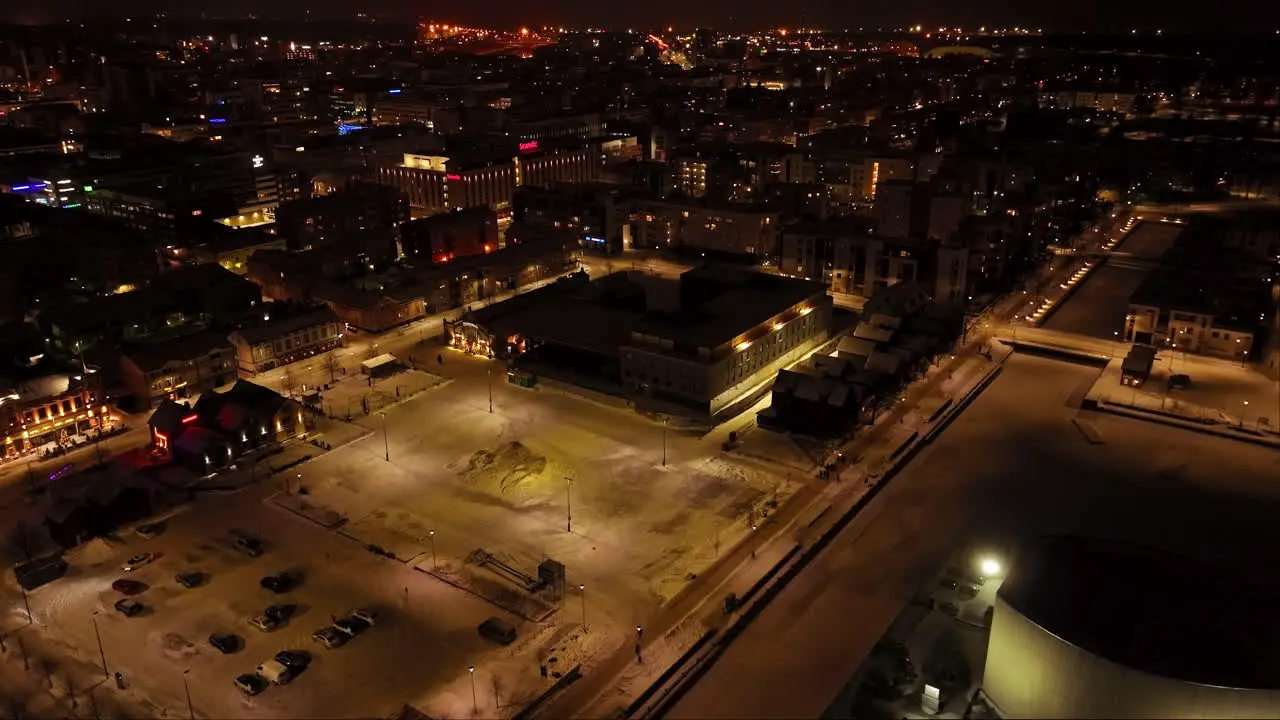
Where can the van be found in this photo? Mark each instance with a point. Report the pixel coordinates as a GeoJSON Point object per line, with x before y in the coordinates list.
{"type": "Point", "coordinates": [275, 672]}
{"type": "Point", "coordinates": [497, 630]}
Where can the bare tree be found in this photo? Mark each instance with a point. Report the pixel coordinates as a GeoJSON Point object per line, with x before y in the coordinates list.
{"type": "Point", "coordinates": [288, 383]}
{"type": "Point", "coordinates": [331, 365]}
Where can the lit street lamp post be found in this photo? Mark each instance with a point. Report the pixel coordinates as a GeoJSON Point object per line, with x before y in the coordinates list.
{"type": "Point", "coordinates": [582, 593]}
{"type": "Point", "coordinates": [101, 653]}
{"type": "Point", "coordinates": [475, 704]}
{"type": "Point", "coordinates": [664, 442]}
{"type": "Point", "coordinates": [568, 500]}
{"type": "Point", "coordinates": [434, 562]}
{"type": "Point", "coordinates": [1242, 412]}
{"type": "Point", "coordinates": [386, 445]}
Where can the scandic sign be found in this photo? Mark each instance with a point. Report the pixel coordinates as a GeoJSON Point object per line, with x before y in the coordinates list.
{"type": "Point", "coordinates": [453, 176]}
{"type": "Point", "coordinates": [528, 146]}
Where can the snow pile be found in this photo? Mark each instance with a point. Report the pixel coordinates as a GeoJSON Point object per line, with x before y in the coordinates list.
{"type": "Point", "coordinates": [95, 552]}
{"type": "Point", "coordinates": [511, 470]}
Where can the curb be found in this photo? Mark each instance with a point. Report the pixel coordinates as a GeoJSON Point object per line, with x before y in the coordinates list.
{"type": "Point", "coordinates": [1099, 406]}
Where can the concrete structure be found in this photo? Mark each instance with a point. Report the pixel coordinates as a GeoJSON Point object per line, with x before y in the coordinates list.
{"type": "Point", "coordinates": [1085, 628]}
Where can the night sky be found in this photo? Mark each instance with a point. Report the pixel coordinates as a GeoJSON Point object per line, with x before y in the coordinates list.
{"type": "Point", "coordinates": [1224, 15]}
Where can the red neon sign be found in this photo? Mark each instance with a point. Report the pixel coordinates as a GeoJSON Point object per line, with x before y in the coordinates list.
{"type": "Point", "coordinates": [190, 419]}
{"type": "Point", "coordinates": [453, 176]}
{"type": "Point", "coordinates": [528, 146]}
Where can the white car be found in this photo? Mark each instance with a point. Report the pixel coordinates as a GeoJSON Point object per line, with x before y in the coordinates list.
{"type": "Point", "coordinates": [137, 561]}
{"type": "Point", "coordinates": [365, 614]}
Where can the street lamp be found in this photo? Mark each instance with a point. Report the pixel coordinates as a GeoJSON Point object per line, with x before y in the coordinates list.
{"type": "Point", "coordinates": [191, 710]}
{"type": "Point", "coordinates": [582, 592]}
{"type": "Point", "coordinates": [489, 373]}
{"type": "Point", "coordinates": [475, 704]}
{"type": "Point", "coordinates": [990, 567]}
{"type": "Point", "coordinates": [434, 562]}
{"type": "Point", "coordinates": [664, 442]}
{"type": "Point", "coordinates": [1242, 412]}
{"type": "Point", "coordinates": [568, 499]}
{"type": "Point", "coordinates": [102, 654]}
{"type": "Point", "coordinates": [386, 446]}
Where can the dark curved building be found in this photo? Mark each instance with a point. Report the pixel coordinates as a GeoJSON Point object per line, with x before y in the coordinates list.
{"type": "Point", "coordinates": [1089, 628]}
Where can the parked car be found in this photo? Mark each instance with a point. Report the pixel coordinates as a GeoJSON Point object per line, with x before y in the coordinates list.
{"type": "Point", "coordinates": [1179, 382]}
{"type": "Point", "coordinates": [150, 530]}
{"type": "Point", "coordinates": [128, 587]}
{"type": "Point", "coordinates": [225, 643]}
{"type": "Point", "coordinates": [250, 546]}
{"type": "Point", "coordinates": [497, 630]}
{"type": "Point", "coordinates": [294, 659]}
{"type": "Point", "coordinates": [250, 683]}
{"type": "Point", "coordinates": [330, 637]}
{"type": "Point", "coordinates": [190, 579]}
{"type": "Point", "coordinates": [280, 613]}
{"type": "Point", "coordinates": [138, 561]}
{"type": "Point", "coordinates": [352, 625]}
{"type": "Point", "coordinates": [265, 623]}
{"type": "Point", "coordinates": [276, 673]}
{"type": "Point", "coordinates": [365, 614]}
{"type": "Point", "coordinates": [282, 582]}
{"type": "Point", "coordinates": [129, 608]}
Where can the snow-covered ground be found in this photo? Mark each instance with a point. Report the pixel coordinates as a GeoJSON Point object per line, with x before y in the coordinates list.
{"type": "Point", "coordinates": [502, 482]}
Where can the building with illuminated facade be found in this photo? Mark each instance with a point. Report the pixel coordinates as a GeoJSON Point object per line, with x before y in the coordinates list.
{"type": "Point", "coordinates": [722, 227]}
{"type": "Point", "coordinates": [177, 369]}
{"type": "Point", "coordinates": [445, 182]}
{"type": "Point", "coordinates": [49, 409]}
{"type": "Point", "coordinates": [282, 340]}
{"type": "Point", "coordinates": [705, 340]}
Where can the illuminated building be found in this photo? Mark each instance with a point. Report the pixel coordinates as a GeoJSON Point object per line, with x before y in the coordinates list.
{"type": "Point", "coordinates": [177, 369]}
{"type": "Point", "coordinates": [51, 409]}
{"type": "Point", "coordinates": [443, 182]}
{"type": "Point", "coordinates": [731, 228]}
{"type": "Point", "coordinates": [705, 340]}
{"type": "Point", "coordinates": [282, 340]}
{"type": "Point", "coordinates": [595, 212]}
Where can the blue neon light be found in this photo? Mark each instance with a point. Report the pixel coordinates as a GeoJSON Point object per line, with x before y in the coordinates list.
{"type": "Point", "coordinates": [217, 121]}
{"type": "Point", "coordinates": [598, 241]}
{"type": "Point", "coordinates": [344, 128]}
{"type": "Point", "coordinates": [394, 91]}
{"type": "Point", "coordinates": [27, 188]}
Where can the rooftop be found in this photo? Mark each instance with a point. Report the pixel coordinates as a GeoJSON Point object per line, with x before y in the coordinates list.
{"type": "Point", "coordinates": [1163, 614]}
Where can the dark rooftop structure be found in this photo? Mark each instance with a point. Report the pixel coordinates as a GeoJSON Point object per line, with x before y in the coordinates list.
{"type": "Point", "coordinates": [1154, 612]}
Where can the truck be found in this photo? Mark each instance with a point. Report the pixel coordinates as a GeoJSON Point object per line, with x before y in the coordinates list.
{"type": "Point", "coordinates": [31, 575]}
{"type": "Point", "coordinates": [1136, 368]}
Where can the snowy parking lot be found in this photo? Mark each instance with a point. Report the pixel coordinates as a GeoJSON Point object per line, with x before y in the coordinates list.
{"type": "Point", "coordinates": [635, 510]}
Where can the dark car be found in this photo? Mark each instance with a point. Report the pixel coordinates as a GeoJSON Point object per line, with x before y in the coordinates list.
{"type": "Point", "coordinates": [281, 583]}
{"type": "Point", "coordinates": [129, 608]}
{"type": "Point", "coordinates": [280, 613]}
{"type": "Point", "coordinates": [352, 625]}
{"type": "Point", "coordinates": [497, 630]}
{"type": "Point", "coordinates": [1179, 382]}
{"type": "Point", "coordinates": [294, 659]}
{"type": "Point", "coordinates": [190, 579]}
{"type": "Point", "coordinates": [225, 643]}
{"type": "Point", "coordinates": [250, 546]}
{"type": "Point", "coordinates": [251, 683]}
{"type": "Point", "coordinates": [128, 587]}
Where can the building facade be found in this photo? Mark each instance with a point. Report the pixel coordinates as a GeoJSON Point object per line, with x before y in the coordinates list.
{"type": "Point", "coordinates": [282, 341]}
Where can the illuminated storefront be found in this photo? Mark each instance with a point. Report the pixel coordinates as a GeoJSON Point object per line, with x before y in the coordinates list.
{"type": "Point", "coordinates": [51, 410]}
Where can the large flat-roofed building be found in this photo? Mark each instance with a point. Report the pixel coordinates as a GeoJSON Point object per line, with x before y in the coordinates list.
{"type": "Point", "coordinates": [703, 340]}
{"type": "Point", "coordinates": [1086, 628]}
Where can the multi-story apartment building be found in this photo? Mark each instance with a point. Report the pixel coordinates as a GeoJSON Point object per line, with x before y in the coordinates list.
{"type": "Point", "coordinates": [448, 235]}
{"type": "Point", "coordinates": [363, 215]}
{"type": "Point", "coordinates": [733, 228]}
{"type": "Point", "coordinates": [177, 369]}
{"type": "Point", "coordinates": [595, 211]}
{"type": "Point", "coordinates": [280, 341]}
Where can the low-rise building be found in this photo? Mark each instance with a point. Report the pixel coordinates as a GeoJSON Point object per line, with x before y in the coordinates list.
{"type": "Point", "coordinates": [372, 310]}
{"type": "Point", "coordinates": [282, 340]}
{"type": "Point", "coordinates": [440, 238]}
{"type": "Point", "coordinates": [177, 369]}
{"type": "Point", "coordinates": [50, 408]}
